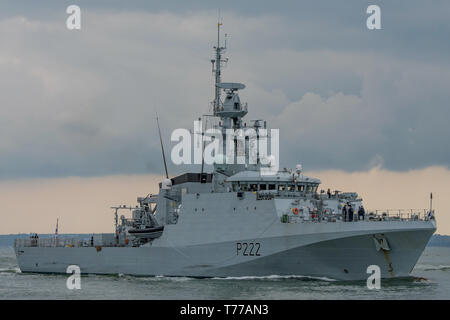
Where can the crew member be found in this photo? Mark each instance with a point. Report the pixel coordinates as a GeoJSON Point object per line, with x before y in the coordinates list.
{"type": "Point", "coordinates": [361, 213]}
{"type": "Point", "coordinates": [350, 213]}
{"type": "Point", "coordinates": [344, 212]}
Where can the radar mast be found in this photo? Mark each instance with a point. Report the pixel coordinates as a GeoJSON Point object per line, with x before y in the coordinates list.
{"type": "Point", "coordinates": [216, 64]}
{"type": "Point", "coordinates": [230, 111]}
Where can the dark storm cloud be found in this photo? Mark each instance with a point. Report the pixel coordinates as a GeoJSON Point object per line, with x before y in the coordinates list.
{"type": "Point", "coordinates": [344, 97]}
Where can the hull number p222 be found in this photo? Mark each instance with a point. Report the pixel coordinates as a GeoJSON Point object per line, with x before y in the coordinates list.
{"type": "Point", "coordinates": [248, 249]}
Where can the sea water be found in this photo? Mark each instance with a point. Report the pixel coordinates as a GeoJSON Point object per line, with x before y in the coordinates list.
{"type": "Point", "coordinates": [430, 279]}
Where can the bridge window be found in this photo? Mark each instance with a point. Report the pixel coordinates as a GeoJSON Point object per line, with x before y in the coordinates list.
{"type": "Point", "coordinates": [263, 186]}
{"type": "Point", "coordinates": [253, 187]}
{"type": "Point", "coordinates": [272, 187]}
{"type": "Point", "coordinates": [291, 187]}
{"type": "Point", "coordinates": [281, 187]}
{"type": "Point", "coordinates": [300, 188]}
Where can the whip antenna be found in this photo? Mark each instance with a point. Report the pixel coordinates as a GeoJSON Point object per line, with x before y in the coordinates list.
{"type": "Point", "coordinates": [162, 147]}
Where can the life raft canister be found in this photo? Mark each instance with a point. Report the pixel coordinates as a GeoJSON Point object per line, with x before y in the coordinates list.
{"type": "Point", "coordinates": [295, 211]}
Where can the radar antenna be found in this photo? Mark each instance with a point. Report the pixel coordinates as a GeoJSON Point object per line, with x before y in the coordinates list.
{"type": "Point", "coordinates": [216, 63]}
{"type": "Point", "coordinates": [162, 147]}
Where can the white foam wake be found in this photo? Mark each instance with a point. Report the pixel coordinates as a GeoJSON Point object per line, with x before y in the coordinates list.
{"type": "Point", "coordinates": [10, 270]}
{"type": "Point", "coordinates": [430, 267]}
{"type": "Point", "coordinates": [275, 277]}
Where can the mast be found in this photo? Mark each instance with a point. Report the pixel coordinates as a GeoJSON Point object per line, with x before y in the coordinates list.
{"type": "Point", "coordinates": [230, 111]}
{"type": "Point", "coordinates": [431, 202]}
{"type": "Point", "coordinates": [203, 148]}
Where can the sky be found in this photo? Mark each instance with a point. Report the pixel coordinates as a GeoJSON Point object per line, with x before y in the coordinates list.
{"type": "Point", "coordinates": [77, 108]}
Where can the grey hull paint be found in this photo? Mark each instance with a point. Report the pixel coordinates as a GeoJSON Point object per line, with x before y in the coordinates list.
{"type": "Point", "coordinates": [343, 255]}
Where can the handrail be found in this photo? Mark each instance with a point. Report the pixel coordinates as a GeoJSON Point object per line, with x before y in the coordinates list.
{"type": "Point", "coordinates": [369, 216]}
{"type": "Point", "coordinates": [51, 242]}
{"type": "Point", "coordinates": [400, 213]}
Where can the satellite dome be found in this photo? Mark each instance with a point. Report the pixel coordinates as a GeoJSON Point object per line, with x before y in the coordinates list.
{"type": "Point", "coordinates": [166, 184]}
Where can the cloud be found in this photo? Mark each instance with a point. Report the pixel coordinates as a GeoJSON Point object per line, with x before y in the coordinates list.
{"type": "Point", "coordinates": [398, 116]}
{"type": "Point", "coordinates": [84, 102]}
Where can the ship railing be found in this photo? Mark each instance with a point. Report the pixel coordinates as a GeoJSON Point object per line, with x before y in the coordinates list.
{"type": "Point", "coordinates": [51, 242]}
{"type": "Point", "coordinates": [389, 215]}
{"type": "Point", "coordinates": [400, 215]}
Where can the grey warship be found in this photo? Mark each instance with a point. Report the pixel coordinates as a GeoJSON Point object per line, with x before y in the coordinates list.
{"type": "Point", "coordinates": [236, 221]}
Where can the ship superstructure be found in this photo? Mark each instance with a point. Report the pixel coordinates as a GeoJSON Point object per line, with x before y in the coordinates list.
{"type": "Point", "coordinates": [239, 221]}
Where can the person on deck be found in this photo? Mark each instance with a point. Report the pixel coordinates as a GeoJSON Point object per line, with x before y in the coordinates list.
{"type": "Point", "coordinates": [350, 213]}
{"type": "Point", "coordinates": [361, 213]}
{"type": "Point", "coordinates": [344, 212]}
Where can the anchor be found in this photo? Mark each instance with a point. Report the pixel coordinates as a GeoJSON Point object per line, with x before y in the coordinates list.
{"type": "Point", "coordinates": [382, 244]}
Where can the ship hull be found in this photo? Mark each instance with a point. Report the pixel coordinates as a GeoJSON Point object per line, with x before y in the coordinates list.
{"type": "Point", "coordinates": [341, 255]}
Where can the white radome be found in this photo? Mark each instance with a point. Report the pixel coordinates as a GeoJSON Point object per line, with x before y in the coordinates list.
{"type": "Point", "coordinates": [166, 184]}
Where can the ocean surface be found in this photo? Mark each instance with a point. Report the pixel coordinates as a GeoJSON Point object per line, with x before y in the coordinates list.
{"type": "Point", "coordinates": [430, 280]}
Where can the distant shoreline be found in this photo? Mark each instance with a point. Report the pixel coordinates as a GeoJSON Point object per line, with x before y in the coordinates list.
{"type": "Point", "coordinates": [7, 240]}
{"type": "Point", "coordinates": [439, 240]}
